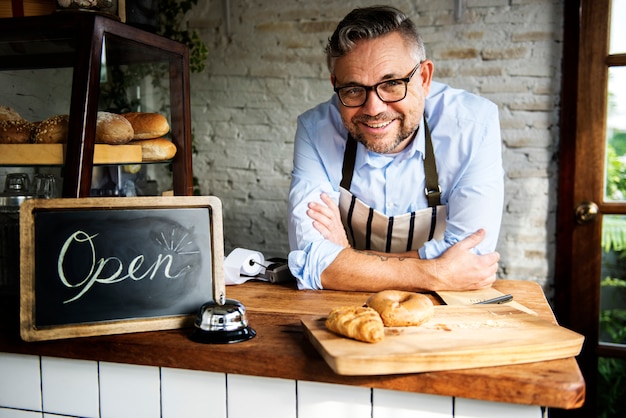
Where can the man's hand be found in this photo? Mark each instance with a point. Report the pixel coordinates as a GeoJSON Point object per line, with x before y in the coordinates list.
{"type": "Point", "coordinates": [460, 269]}
{"type": "Point", "coordinates": [327, 220]}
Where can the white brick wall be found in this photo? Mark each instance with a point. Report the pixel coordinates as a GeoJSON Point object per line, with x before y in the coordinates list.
{"type": "Point", "coordinates": [271, 68]}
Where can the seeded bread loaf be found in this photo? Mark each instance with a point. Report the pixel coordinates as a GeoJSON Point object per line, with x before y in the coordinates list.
{"type": "Point", "coordinates": [52, 130]}
{"type": "Point", "coordinates": [15, 131]}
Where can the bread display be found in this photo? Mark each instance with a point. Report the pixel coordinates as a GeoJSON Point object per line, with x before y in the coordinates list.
{"type": "Point", "coordinates": [15, 131]}
{"type": "Point", "coordinates": [147, 125]}
{"type": "Point", "coordinates": [143, 128]}
{"type": "Point", "coordinates": [356, 322]}
{"type": "Point", "coordinates": [52, 130]}
{"type": "Point", "coordinates": [157, 149]}
{"type": "Point", "coordinates": [401, 309]}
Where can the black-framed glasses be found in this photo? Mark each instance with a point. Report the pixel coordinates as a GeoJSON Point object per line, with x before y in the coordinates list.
{"type": "Point", "coordinates": [389, 91]}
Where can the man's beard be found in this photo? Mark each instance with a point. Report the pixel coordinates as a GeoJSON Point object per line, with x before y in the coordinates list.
{"type": "Point", "coordinates": [375, 144]}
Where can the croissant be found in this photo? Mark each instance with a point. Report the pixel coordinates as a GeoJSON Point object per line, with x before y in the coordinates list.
{"type": "Point", "coordinates": [356, 322]}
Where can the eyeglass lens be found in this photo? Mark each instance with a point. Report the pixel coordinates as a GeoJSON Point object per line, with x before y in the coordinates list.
{"type": "Point", "coordinates": [388, 91]}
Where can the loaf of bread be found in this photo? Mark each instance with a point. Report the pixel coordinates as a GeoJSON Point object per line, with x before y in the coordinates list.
{"type": "Point", "coordinates": [15, 131]}
{"type": "Point", "coordinates": [113, 129]}
{"type": "Point", "coordinates": [356, 322]}
{"type": "Point", "coordinates": [8, 113]}
{"type": "Point", "coordinates": [52, 130]}
{"type": "Point", "coordinates": [147, 125]}
{"type": "Point", "coordinates": [157, 149]}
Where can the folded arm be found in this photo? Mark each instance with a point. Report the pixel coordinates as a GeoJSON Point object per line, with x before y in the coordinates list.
{"type": "Point", "coordinates": [457, 269]}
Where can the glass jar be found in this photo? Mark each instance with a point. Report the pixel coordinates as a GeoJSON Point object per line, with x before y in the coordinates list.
{"type": "Point", "coordinates": [16, 191]}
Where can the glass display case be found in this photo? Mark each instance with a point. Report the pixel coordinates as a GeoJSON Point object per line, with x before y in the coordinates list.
{"type": "Point", "coordinates": [82, 64]}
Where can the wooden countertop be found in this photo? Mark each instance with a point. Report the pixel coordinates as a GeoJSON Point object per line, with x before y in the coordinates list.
{"type": "Point", "coordinates": [281, 350]}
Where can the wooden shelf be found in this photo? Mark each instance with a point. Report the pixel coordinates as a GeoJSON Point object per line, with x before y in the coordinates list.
{"type": "Point", "coordinates": [54, 154]}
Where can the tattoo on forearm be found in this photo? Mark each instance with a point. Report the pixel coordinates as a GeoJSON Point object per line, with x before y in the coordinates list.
{"type": "Point", "coordinates": [382, 257]}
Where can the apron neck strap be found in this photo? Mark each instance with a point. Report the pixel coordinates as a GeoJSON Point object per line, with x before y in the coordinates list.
{"type": "Point", "coordinates": [433, 190]}
{"type": "Point", "coordinates": [349, 157]}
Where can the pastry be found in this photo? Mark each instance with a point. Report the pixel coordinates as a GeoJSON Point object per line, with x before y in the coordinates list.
{"type": "Point", "coordinates": [401, 309]}
{"type": "Point", "coordinates": [356, 322]}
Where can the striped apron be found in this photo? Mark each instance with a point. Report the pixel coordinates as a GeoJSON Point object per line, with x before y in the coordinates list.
{"type": "Point", "coordinates": [369, 229]}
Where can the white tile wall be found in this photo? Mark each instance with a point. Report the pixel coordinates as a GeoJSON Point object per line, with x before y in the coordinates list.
{"type": "Point", "coordinates": [18, 413]}
{"type": "Point", "coordinates": [192, 394]}
{"type": "Point", "coordinates": [20, 381]}
{"type": "Point", "coordinates": [471, 408]}
{"type": "Point", "coordinates": [129, 391]}
{"type": "Point", "coordinates": [394, 404]}
{"type": "Point", "coordinates": [70, 387]}
{"type": "Point", "coordinates": [333, 401]}
{"type": "Point", "coordinates": [45, 387]}
{"type": "Point", "coordinates": [260, 397]}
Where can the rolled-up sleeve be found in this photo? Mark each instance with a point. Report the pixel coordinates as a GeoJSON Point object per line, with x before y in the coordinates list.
{"type": "Point", "coordinates": [310, 253]}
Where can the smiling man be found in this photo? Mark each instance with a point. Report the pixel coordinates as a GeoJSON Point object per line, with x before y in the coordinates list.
{"type": "Point", "coordinates": [397, 180]}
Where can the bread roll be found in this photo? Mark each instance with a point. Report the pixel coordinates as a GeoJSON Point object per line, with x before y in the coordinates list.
{"type": "Point", "coordinates": [113, 129]}
{"type": "Point", "coordinates": [147, 125]}
{"type": "Point", "coordinates": [157, 149]}
{"type": "Point", "coordinates": [356, 322]}
{"type": "Point", "coordinates": [15, 131]}
{"type": "Point", "coordinates": [7, 113]}
{"type": "Point", "coordinates": [52, 130]}
{"type": "Point", "coordinates": [401, 309]}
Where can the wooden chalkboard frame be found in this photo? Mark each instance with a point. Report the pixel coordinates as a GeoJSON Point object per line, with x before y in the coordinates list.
{"type": "Point", "coordinates": [31, 331]}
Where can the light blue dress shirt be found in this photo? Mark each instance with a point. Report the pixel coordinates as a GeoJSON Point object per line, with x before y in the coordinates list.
{"type": "Point", "coordinates": [465, 131]}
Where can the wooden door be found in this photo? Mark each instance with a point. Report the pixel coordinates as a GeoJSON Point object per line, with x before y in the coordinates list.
{"type": "Point", "coordinates": [594, 87]}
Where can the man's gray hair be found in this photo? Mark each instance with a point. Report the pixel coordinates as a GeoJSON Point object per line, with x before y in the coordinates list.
{"type": "Point", "coordinates": [371, 23]}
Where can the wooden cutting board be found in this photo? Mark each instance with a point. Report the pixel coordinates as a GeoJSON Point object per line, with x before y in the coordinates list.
{"type": "Point", "coordinates": [458, 337]}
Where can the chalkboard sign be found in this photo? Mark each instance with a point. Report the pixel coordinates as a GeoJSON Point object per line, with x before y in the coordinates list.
{"type": "Point", "coordinates": [97, 266]}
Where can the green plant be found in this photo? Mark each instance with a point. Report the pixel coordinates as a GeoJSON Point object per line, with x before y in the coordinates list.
{"type": "Point", "coordinates": [172, 24]}
{"type": "Point", "coordinates": [618, 141]}
{"type": "Point", "coordinates": [611, 390]}
{"type": "Point", "coordinates": [613, 319]}
{"type": "Point", "coordinates": [614, 233]}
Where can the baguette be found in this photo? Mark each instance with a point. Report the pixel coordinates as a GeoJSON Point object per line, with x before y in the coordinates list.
{"type": "Point", "coordinates": [147, 125]}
